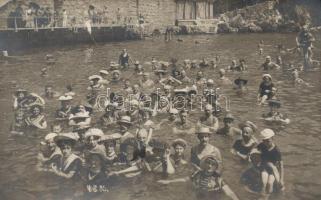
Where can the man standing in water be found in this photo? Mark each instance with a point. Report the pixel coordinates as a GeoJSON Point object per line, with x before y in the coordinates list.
{"type": "Point", "coordinates": [124, 59]}
{"type": "Point", "coordinates": [304, 41]}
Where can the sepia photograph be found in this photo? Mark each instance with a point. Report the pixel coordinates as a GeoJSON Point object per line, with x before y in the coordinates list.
{"type": "Point", "coordinates": [160, 99]}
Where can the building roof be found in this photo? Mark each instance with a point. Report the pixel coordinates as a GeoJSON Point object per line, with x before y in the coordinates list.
{"type": "Point", "coordinates": [4, 2]}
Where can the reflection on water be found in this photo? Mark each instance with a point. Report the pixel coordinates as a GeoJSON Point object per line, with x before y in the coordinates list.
{"type": "Point", "coordinates": [299, 142]}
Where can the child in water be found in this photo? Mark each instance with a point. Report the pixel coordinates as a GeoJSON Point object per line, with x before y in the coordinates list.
{"type": "Point", "coordinates": [18, 126]}
{"type": "Point", "coordinates": [207, 181]}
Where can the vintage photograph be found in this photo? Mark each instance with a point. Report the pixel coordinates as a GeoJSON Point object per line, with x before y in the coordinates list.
{"type": "Point", "coordinates": [160, 99]}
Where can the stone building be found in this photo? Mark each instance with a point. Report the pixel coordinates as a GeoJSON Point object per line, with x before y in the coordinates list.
{"type": "Point", "coordinates": [157, 13]}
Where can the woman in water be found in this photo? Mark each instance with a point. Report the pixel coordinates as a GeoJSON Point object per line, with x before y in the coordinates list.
{"type": "Point", "coordinates": [50, 153]}
{"type": "Point", "coordinates": [70, 163]}
{"type": "Point", "coordinates": [265, 89]}
{"type": "Point", "coordinates": [36, 120]}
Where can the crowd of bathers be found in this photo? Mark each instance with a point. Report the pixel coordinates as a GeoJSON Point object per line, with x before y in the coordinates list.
{"type": "Point", "coordinates": [116, 133]}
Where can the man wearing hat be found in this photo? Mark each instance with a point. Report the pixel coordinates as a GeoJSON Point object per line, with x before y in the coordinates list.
{"type": "Point", "coordinates": [204, 148]}
{"type": "Point", "coordinates": [183, 126]}
{"type": "Point", "coordinates": [95, 88]}
{"type": "Point", "coordinates": [272, 160]}
{"type": "Point", "coordinates": [124, 125]}
{"type": "Point", "coordinates": [104, 76]}
{"type": "Point", "coordinates": [116, 78]}
{"type": "Point", "coordinates": [208, 119]}
{"type": "Point", "coordinates": [64, 111]}
{"type": "Point", "coordinates": [269, 65]}
{"type": "Point", "coordinates": [228, 129]}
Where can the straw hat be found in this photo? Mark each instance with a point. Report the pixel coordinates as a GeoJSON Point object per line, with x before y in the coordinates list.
{"type": "Point", "coordinates": [267, 75]}
{"type": "Point", "coordinates": [104, 72]}
{"type": "Point", "coordinates": [50, 136]}
{"type": "Point", "coordinates": [94, 132]}
{"type": "Point", "coordinates": [93, 77]}
{"type": "Point", "coordinates": [180, 142]}
{"type": "Point", "coordinates": [210, 81]}
{"type": "Point", "coordinates": [79, 115]}
{"type": "Point", "coordinates": [203, 130]}
{"type": "Point", "coordinates": [110, 138]}
{"type": "Point", "coordinates": [267, 134]}
{"type": "Point", "coordinates": [206, 158]}
{"type": "Point", "coordinates": [65, 98]}
{"type": "Point", "coordinates": [72, 137]}
{"type": "Point", "coordinates": [173, 111]}
{"type": "Point", "coordinates": [113, 64]}
{"type": "Point", "coordinates": [229, 116]}
{"type": "Point", "coordinates": [125, 120]}
{"type": "Point", "coordinates": [248, 124]}
{"type": "Point", "coordinates": [136, 62]}
{"type": "Point", "coordinates": [21, 90]}
{"type": "Point", "coordinates": [222, 71]}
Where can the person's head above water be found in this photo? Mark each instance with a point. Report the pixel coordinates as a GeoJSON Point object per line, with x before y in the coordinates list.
{"type": "Point", "coordinates": [267, 78]}
{"type": "Point", "coordinates": [203, 135]}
